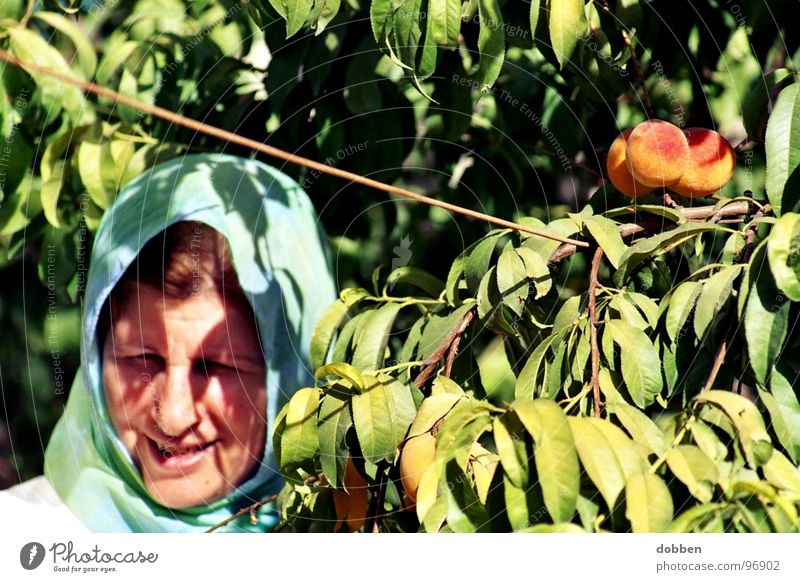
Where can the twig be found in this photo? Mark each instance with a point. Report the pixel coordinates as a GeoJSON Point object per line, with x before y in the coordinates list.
{"type": "Point", "coordinates": [432, 362]}
{"type": "Point", "coordinates": [637, 73]}
{"type": "Point", "coordinates": [596, 260]}
{"type": "Point", "coordinates": [694, 214]}
{"type": "Point", "coordinates": [28, 13]}
{"type": "Point", "coordinates": [251, 510]}
{"type": "Point", "coordinates": [374, 520]}
{"type": "Point", "coordinates": [272, 151]}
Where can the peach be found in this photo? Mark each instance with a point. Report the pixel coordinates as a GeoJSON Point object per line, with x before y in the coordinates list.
{"type": "Point", "coordinates": [417, 455]}
{"type": "Point", "coordinates": [617, 168]}
{"type": "Point", "coordinates": [352, 504]}
{"type": "Point", "coordinates": [711, 164]}
{"type": "Point", "coordinates": [658, 152]}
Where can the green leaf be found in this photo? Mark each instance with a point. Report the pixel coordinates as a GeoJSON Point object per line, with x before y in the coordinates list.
{"type": "Point", "coordinates": [477, 260]}
{"type": "Point", "coordinates": [715, 293]}
{"type": "Point", "coordinates": [694, 469]}
{"type": "Point", "coordinates": [783, 150]}
{"type": "Point", "coordinates": [491, 42]}
{"type": "Point", "coordinates": [382, 414]}
{"type": "Point", "coordinates": [30, 47]}
{"type": "Point", "coordinates": [534, 16]}
{"type": "Point", "coordinates": [334, 422]}
{"type": "Point", "coordinates": [512, 279]}
{"type": "Point", "coordinates": [300, 440]}
{"type": "Point", "coordinates": [766, 317]}
{"type": "Point", "coordinates": [783, 251]}
{"type": "Point", "coordinates": [18, 209]}
{"type": "Point", "coordinates": [325, 331]}
{"type": "Point", "coordinates": [417, 277]}
{"type": "Point", "coordinates": [537, 270]}
{"type": "Point", "coordinates": [641, 428]}
{"type": "Point", "coordinates": [439, 328]}
{"type": "Point", "coordinates": [784, 412]}
{"type": "Point", "coordinates": [373, 336]}
{"type": "Point", "coordinates": [509, 440]}
{"type": "Point", "coordinates": [641, 364]}
{"type": "Point", "coordinates": [658, 245]}
{"type": "Point", "coordinates": [606, 233]}
{"type": "Point", "coordinates": [344, 371]}
{"type": "Point", "coordinates": [782, 473]}
{"type": "Point", "coordinates": [324, 12]}
{"type": "Point", "coordinates": [87, 59]}
{"type": "Point", "coordinates": [445, 24]}
{"type": "Point", "coordinates": [295, 12]}
{"type": "Point", "coordinates": [380, 15]}
{"type": "Point", "coordinates": [465, 514]}
{"type": "Point", "coordinates": [528, 378]}
{"type": "Point", "coordinates": [648, 503]}
{"type": "Point", "coordinates": [522, 505]}
{"type": "Point", "coordinates": [749, 424]}
{"type": "Point", "coordinates": [681, 305]}
{"type": "Point", "coordinates": [608, 456]}
{"type": "Point", "coordinates": [554, 454]}
{"type": "Point", "coordinates": [433, 409]}
{"type": "Point", "coordinates": [97, 168]}
{"type": "Point", "coordinates": [567, 25]}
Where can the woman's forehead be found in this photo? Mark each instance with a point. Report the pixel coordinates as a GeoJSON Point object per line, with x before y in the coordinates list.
{"type": "Point", "coordinates": [206, 319]}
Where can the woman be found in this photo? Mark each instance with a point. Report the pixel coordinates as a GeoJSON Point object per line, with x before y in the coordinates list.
{"type": "Point", "coordinates": [207, 276]}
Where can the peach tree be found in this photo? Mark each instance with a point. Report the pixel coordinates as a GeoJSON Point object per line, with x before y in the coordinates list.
{"type": "Point", "coordinates": [489, 380]}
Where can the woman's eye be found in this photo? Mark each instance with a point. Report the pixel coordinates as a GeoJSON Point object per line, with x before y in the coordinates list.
{"type": "Point", "coordinates": [212, 366]}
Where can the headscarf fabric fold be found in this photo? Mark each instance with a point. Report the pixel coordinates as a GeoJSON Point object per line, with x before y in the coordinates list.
{"type": "Point", "coordinates": [281, 258]}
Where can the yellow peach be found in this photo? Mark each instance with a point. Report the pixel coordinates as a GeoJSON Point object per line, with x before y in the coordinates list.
{"type": "Point", "coordinates": [711, 164]}
{"type": "Point", "coordinates": [617, 168]}
{"type": "Point", "coordinates": [657, 153]}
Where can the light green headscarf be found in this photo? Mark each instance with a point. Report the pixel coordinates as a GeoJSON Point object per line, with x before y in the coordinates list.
{"type": "Point", "coordinates": [282, 261]}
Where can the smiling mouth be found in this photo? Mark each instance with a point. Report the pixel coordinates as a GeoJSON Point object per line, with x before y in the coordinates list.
{"type": "Point", "coordinates": [170, 456]}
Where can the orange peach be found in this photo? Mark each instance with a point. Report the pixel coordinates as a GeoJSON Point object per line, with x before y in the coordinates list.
{"type": "Point", "coordinates": [351, 505]}
{"type": "Point", "coordinates": [417, 455]}
{"type": "Point", "coordinates": [711, 164]}
{"type": "Point", "coordinates": [658, 152]}
{"type": "Point", "coordinates": [617, 168]}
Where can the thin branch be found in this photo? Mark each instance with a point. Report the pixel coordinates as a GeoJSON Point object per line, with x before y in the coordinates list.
{"type": "Point", "coordinates": [251, 510]}
{"type": "Point", "coordinates": [374, 519]}
{"type": "Point", "coordinates": [741, 208]}
{"type": "Point", "coordinates": [219, 133]}
{"type": "Point", "coordinates": [637, 73]}
{"type": "Point", "coordinates": [28, 13]}
{"type": "Point", "coordinates": [596, 260]}
{"type": "Point", "coordinates": [443, 348]}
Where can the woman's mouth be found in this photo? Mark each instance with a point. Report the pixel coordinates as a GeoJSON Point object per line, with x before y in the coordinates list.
{"type": "Point", "coordinates": [172, 458]}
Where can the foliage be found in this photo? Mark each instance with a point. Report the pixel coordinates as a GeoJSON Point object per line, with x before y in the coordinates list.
{"type": "Point", "coordinates": [483, 337]}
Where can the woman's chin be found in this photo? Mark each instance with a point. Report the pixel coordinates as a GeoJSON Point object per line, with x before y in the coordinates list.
{"type": "Point", "coordinates": [183, 493]}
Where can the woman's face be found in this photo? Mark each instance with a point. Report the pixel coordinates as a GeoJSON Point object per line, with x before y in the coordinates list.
{"type": "Point", "coordinates": [184, 385]}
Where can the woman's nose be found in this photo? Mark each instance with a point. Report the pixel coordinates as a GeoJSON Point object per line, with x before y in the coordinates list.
{"type": "Point", "coordinates": [174, 406]}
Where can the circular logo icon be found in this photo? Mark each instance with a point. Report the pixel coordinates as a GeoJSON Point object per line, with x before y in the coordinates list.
{"type": "Point", "coordinates": [31, 555]}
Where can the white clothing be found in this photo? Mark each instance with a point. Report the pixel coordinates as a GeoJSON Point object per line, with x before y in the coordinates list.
{"type": "Point", "coordinates": [34, 506]}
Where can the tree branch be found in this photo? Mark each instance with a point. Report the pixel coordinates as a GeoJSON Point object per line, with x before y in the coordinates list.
{"type": "Point", "coordinates": [741, 208]}
{"type": "Point", "coordinates": [251, 509]}
{"type": "Point", "coordinates": [432, 362]}
{"type": "Point", "coordinates": [229, 137]}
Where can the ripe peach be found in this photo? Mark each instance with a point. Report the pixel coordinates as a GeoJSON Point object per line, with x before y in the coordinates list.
{"type": "Point", "coordinates": [417, 456]}
{"type": "Point", "coordinates": [351, 505]}
{"type": "Point", "coordinates": [711, 164]}
{"type": "Point", "coordinates": [658, 152]}
{"type": "Point", "coordinates": [617, 168]}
